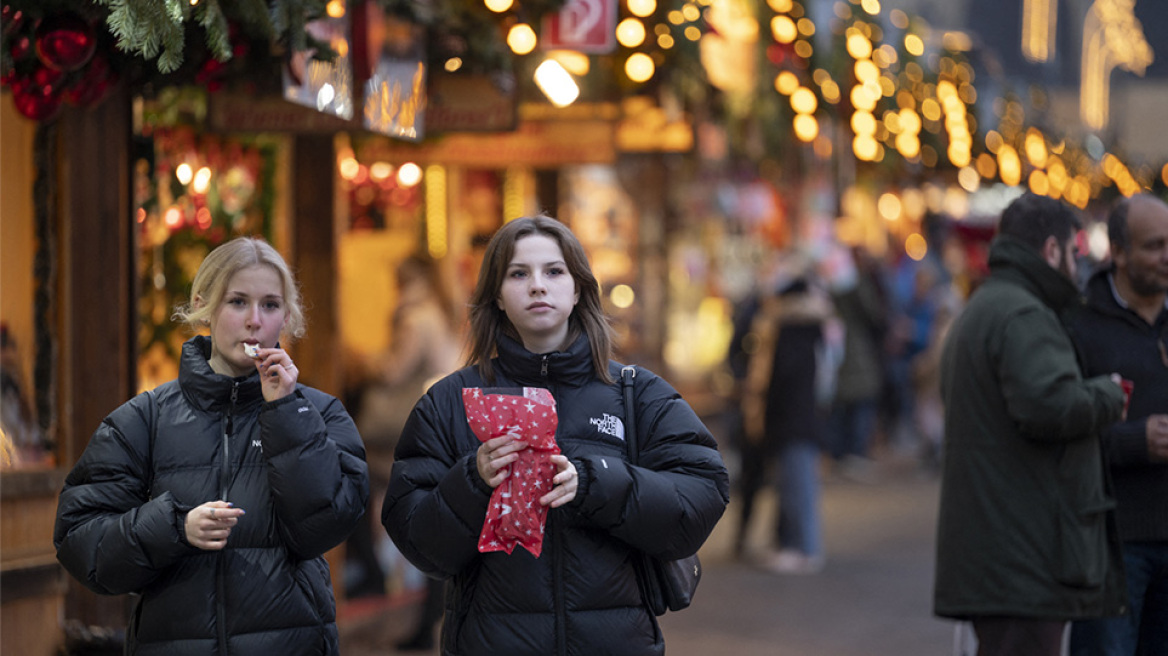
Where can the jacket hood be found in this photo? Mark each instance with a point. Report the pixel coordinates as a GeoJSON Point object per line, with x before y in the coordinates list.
{"type": "Point", "coordinates": [210, 391]}
{"type": "Point", "coordinates": [570, 367]}
{"type": "Point", "coordinates": [1013, 260]}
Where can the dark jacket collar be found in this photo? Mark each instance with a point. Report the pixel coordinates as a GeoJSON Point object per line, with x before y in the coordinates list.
{"type": "Point", "coordinates": [207, 390]}
{"type": "Point", "coordinates": [1102, 297]}
{"type": "Point", "coordinates": [569, 367]}
{"type": "Point", "coordinates": [1013, 260]}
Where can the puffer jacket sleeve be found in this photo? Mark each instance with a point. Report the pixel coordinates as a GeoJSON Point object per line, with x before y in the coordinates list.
{"type": "Point", "coordinates": [316, 470]}
{"type": "Point", "coordinates": [109, 534]}
{"type": "Point", "coordinates": [1044, 391]}
{"type": "Point", "coordinates": [436, 501]}
{"type": "Point", "coordinates": [668, 504]}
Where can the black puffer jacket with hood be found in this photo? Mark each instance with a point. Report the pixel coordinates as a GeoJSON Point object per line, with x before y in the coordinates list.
{"type": "Point", "coordinates": [296, 466]}
{"type": "Point", "coordinates": [580, 597]}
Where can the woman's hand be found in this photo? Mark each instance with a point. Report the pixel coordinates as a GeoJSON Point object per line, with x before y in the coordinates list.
{"type": "Point", "coordinates": [564, 481]}
{"type": "Point", "coordinates": [277, 373]}
{"type": "Point", "coordinates": [494, 456]}
{"type": "Point", "coordinates": [208, 525]}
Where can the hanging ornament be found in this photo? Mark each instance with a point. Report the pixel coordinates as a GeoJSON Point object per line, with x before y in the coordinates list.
{"type": "Point", "coordinates": [95, 83]}
{"type": "Point", "coordinates": [37, 103]}
{"type": "Point", "coordinates": [65, 42]}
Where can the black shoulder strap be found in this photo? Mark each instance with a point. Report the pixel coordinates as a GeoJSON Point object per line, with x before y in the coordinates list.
{"type": "Point", "coordinates": [628, 377]}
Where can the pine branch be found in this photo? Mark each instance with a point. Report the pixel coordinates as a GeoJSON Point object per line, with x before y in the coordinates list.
{"type": "Point", "coordinates": [147, 27]}
{"type": "Point", "coordinates": [214, 23]}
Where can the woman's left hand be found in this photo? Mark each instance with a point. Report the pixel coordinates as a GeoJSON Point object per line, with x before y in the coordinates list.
{"type": "Point", "coordinates": [564, 481]}
{"type": "Point", "coordinates": [277, 373]}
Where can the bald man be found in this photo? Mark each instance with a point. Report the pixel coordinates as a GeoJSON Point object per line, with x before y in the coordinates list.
{"type": "Point", "coordinates": [1124, 329]}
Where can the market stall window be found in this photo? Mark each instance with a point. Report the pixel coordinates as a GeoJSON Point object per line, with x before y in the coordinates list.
{"type": "Point", "coordinates": [192, 192]}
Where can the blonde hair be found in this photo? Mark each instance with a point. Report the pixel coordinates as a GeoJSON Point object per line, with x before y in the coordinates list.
{"type": "Point", "coordinates": [216, 271]}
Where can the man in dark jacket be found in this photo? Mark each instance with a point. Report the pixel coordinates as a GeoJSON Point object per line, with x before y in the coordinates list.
{"type": "Point", "coordinates": [1025, 540]}
{"type": "Point", "coordinates": [1125, 329]}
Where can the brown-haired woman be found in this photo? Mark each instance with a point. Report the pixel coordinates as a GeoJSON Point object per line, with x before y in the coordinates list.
{"type": "Point", "coordinates": [537, 322]}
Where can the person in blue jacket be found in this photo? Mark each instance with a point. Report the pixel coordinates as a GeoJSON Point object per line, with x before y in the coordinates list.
{"type": "Point", "coordinates": [536, 321]}
{"type": "Point", "coordinates": [214, 496]}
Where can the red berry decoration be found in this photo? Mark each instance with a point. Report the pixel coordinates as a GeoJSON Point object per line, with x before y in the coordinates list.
{"type": "Point", "coordinates": [65, 42]}
{"type": "Point", "coordinates": [19, 47]}
{"type": "Point", "coordinates": [36, 104]}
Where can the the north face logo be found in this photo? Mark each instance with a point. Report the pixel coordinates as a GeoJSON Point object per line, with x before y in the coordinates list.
{"type": "Point", "coordinates": [609, 425]}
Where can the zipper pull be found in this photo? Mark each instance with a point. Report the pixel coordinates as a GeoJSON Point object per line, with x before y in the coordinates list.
{"type": "Point", "coordinates": [543, 367]}
{"type": "Point", "coordinates": [234, 395]}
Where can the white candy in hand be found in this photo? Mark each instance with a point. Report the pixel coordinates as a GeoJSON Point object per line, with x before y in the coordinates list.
{"type": "Point", "coordinates": [252, 350]}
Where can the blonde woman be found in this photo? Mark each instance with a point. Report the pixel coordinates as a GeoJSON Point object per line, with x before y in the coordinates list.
{"type": "Point", "coordinates": [214, 496]}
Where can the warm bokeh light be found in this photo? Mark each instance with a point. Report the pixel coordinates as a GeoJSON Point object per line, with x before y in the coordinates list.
{"type": "Point", "coordinates": [173, 218]}
{"type": "Point", "coordinates": [1009, 165]}
{"type": "Point", "coordinates": [184, 173]}
{"type": "Point", "coordinates": [521, 39]}
{"type": "Point", "coordinates": [453, 64]}
{"type": "Point", "coordinates": [863, 98]}
{"type": "Point", "coordinates": [783, 29]}
{"type": "Point", "coordinates": [335, 8]}
{"type": "Point", "coordinates": [202, 181]}
{"type": "Point", "coordinates": [870, 6]}
{"type": "Point", "coordinates": [380, 171]}
{"type": "Point", "coordinates": [348, 167]}
{"type": "Point", "coordinates": [499, 6]}
{"type": "Point", "coordinates": [803, 101]}
{"type": "Point", "coordinates": [969, 179]}
{"type": "Point", "coordinates": [409, 174]}
{"type": "Point", "coordinates": [987, 166]}
{"type": "Point", "coordinates": [1039, 183]}
{"type": "Point", "coordinates": [908, 145]}
{"type": "Point", "coordinates": [786, 83]}
{"type": "Point", "coordinates": [1035, 145]}
{"type": "Point", "coordinates": [858, 45]}
{"type": "Point", "coordinates": [642, 8]}
{"type": "Point", "coordinates": [866, 71]}
{"type": "Point", "coordinates": [780, 6]}
{"type": "Point", "coordinates": [639, 67]}
{"type": "Point", "coordinates": [630, 32]}
{"type": "Point", "coordinates": [865, 147]}
{"type": "Point", "coordinates": [806, 127]}
{"type": "Point", "coordinates": [622, 296]}
{"type": "Point", "coordinates": [863, 123]}
{"type": "Point", "coordinates": [889, 206]}
{"type": "Point", "coordinates": [916, 247]}
{"type": "Point", "coordinates": [556, 83]}
{"type": "Point", "coordinates": [914, 45]}
{"type": "Point", "coordinates": [573, 61]}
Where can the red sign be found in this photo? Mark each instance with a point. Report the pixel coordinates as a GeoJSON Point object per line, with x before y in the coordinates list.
{"type": "Point", "coordinates": [584, 25]}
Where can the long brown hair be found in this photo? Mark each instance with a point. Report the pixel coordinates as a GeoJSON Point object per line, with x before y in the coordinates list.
{"type": "Point", "coordinates": [486, 318]}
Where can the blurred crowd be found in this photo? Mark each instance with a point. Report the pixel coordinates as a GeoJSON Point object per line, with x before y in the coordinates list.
{"type": "Point", "coordinates": [835, 360]}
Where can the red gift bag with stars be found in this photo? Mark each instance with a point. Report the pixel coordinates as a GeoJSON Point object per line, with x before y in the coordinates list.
{"type": "Point", "coordinates": [515, 516]}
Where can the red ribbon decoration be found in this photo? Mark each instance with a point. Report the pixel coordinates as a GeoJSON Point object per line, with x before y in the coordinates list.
{"type": "Point", "coordinates": [515, 516]}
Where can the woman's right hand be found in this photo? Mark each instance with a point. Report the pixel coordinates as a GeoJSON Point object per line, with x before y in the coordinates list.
{"type": "Point", "coordinates": [494, 456]}
{"type": "Point", "coordinates": [208, 525]}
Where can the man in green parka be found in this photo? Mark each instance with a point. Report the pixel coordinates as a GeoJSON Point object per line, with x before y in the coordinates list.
{"type": "Point", "coordinates": [1026, 536]}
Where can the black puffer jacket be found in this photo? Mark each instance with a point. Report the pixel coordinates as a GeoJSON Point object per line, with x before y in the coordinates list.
{"type": "Point", "coordinates": [580, 597]}
{"type": "Point", "coordinates": [296, 466]}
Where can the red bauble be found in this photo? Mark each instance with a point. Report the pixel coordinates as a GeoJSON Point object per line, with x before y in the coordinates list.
{"type": "Point", "coordinates": [94, 84]}
{"type": "Point", "coordinates": [36, 104]}
{"type": "Point", "coordinates": [65, 42]}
